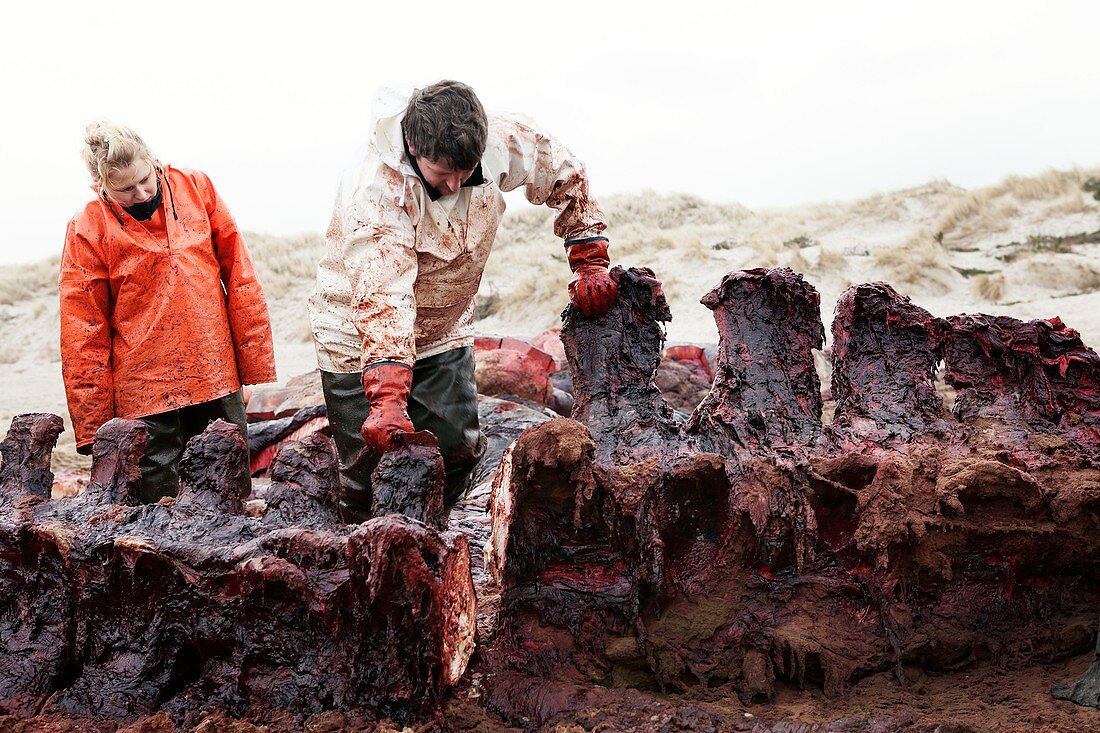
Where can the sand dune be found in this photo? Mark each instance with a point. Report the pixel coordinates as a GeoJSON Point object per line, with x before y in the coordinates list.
{"type": "Point", "coordinates": [1028, 247]}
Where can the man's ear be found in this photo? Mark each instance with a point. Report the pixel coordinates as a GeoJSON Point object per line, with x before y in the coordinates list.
{"type": "Point", "coordinates": [412, 150]}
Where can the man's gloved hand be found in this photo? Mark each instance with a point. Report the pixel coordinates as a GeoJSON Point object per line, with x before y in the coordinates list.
{"type": "Point", "coordinates": [591, 291]}
{"type": "Point", "coordinates": [387, 387]}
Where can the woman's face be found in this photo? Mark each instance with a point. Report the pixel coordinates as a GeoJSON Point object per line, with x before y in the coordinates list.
{"type": "Point", "coordinates": [134, 184]}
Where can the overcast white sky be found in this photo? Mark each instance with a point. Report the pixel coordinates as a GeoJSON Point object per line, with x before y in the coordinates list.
{"type": "Point", "coordinates": [763, 103]}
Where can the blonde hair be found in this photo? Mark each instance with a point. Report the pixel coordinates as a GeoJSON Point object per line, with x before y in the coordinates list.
{"type": "Point", "coordinates": [108, 148]}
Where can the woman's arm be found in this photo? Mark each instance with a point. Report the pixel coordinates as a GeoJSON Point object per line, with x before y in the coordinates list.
{"type": "Point", "coordinates": [85, 337]}
{"type": "Point", "coordinates": [249, 323]}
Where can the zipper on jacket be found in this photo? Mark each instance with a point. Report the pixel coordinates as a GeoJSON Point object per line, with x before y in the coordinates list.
{"type": "Point", "coordinates": [171, 196]}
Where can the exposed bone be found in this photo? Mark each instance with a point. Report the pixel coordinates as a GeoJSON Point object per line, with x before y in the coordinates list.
{"type": "Point", "coordinates": [409, 480]}
{"type": "Point", "coordinates": [885, 351]}
{"type": "Point", "coordinates": [743, 550]}
{"type": "Point", "coordinates": [766, 392]}
{"type": "Point", "coordinates": [112, 611]}
{"type": "Point", "coordinates": [304, 478]}
{"type": "Point", "coordinates": [746, 548]}
{"type": "Point", "coordinates": [26, 451]}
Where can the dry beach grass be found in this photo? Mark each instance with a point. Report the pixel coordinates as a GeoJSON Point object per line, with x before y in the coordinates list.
{"type": "Point", "coordinates": [1027, 247]}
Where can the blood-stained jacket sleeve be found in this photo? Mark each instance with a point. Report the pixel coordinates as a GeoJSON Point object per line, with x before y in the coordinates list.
{"type": "Point", "coordinates": [246, 306]}
{"type": "Point", "coordinates": [378, 239]}
{"type": "Point", "coordinates": [549, 174]}
{"type": "Point", "coordinates": [85, 336]}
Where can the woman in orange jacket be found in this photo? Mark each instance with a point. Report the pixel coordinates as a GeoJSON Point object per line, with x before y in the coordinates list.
{"type": "Point", "coordinates": [162, 317]}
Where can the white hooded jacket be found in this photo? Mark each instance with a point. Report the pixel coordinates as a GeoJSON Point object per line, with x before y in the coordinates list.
{"type": "Point", "coordinates": [401, 271]}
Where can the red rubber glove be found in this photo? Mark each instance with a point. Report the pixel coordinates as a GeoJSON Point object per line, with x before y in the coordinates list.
{"type": "Point", "coordinates": [591, 291]}
{"type": "Point", "coordinates": [387, 388]}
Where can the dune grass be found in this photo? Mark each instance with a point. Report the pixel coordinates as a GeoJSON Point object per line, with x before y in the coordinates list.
{"type": "Point", "coordinates": [284, 262]}
{"type": "Point", "coordinates": [1026, 239]}
{"type": "Point", "coordinates": [990, 209]}
{"type": "Point", "coordinates": [23, 282]}
{"type": "Point", "coordinates": [990, 287]}
{"type": "Point", "coordinates": [909, 237]}
{"type": "Point", "coordinates": [922, 262]}
{"type": "Point", "coordinates": [829, 260]}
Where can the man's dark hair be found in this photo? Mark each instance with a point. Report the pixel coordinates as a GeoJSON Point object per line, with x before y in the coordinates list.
{"type": "Point", "coordinates": [445, 121]}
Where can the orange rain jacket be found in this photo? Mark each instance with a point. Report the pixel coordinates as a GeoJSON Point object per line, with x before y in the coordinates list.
{"type": "Point", "coordinates": [160, 314]}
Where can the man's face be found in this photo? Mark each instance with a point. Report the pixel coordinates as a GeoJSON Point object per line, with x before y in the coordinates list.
{"type": "Point", "coordinates": [440, 175]}
{"type": "Point", "coordinates": [134, 184]}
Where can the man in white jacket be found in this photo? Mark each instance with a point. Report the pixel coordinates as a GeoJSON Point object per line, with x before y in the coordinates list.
{"type": "Point", "coordinates": [392, 311]}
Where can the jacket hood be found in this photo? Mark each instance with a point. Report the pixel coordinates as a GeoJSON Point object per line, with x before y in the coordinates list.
{"type": "Point", "coordinates": [388, 109]}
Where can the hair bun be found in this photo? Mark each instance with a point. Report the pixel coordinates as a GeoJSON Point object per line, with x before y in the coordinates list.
{"type": "Point", "coordinates": [101, 159]}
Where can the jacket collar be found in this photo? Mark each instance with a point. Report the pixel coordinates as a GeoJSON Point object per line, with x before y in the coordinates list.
{"type": "Point", "coordinates": [118, 211]}
{"type": "Point", "coordinates": [389, 109]}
